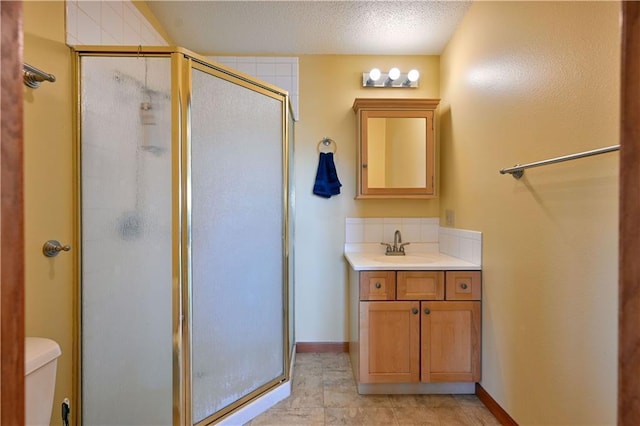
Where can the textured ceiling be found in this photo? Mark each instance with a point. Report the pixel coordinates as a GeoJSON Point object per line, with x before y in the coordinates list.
{"type": "Point", "coordinates": [311, 27]}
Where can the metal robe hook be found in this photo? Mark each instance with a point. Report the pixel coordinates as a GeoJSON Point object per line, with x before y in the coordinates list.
{"type": "Point", "coordinates": [52, 247]}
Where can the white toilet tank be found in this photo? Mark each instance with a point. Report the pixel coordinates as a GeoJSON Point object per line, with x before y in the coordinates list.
{"type": "Point", "coordinates": [41, 358]}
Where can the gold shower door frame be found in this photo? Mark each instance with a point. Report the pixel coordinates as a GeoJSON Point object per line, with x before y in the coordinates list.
{"type": "Point", "coordinates": [183, 62]}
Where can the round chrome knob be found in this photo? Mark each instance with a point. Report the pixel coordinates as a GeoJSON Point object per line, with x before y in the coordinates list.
{"type": "Point", "coordinates": [414, 311]}
{"type": "Point", "coordinates": [427, 311]}
{"type": "Point", "coordinates": [463, 286]}
{"type": "Point", "coordinates": [378, 285]}
{"type": "Point", "coordinates": [52, 247]}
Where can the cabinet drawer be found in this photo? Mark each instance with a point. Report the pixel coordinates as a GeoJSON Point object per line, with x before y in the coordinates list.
{"type": "Point", "coordinates": [464, 285]}
{"type": "Point", "coordinates": [378, 285]}
{"type": "Point", "coordinates": [420, 285]}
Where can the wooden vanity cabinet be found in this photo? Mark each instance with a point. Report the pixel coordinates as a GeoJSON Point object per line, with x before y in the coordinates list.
{"type": "Point", "coordinates": [432, 338]}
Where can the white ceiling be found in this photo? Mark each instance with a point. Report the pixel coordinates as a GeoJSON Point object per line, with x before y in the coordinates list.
{"type": "Point", "coordinates": [310, 27]}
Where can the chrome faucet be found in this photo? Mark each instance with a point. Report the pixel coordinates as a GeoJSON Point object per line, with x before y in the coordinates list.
{"type": "Point", "coordinates": [398, 246]}
{"type": "Point", "coordinates": [397, 239]}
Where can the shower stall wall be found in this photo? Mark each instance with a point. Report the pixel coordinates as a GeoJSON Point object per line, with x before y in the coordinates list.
{"type": "Point", "coordinates": [185, 308]}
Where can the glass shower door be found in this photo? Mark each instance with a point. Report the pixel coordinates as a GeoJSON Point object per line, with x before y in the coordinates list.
{"type": "Point", "coordinates": [183, 217]}
{"type": "Point", "coordinates": [237, 232]}
{"type": "Point", "coordinates": [126, 213]}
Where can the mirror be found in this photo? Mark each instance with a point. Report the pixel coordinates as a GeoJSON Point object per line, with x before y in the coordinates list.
{"type": "Point", "coordinates": [396, 152]}
{"type": "Point", "coordinates": [396, 148]}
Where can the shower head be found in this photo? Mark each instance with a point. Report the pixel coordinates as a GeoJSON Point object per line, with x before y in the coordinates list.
{"type": "Point", "coordinates": [156, 150]}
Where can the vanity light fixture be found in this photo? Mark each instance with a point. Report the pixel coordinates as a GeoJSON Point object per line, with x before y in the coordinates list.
{"type": "Point", "coordinates": [394, 74]}
{"type": "Point", "coordinates": [393, 78]}
{"type": "Point", "coordinates": [372, 76]}
{"type": "Point", "coordinates": [412, 77]}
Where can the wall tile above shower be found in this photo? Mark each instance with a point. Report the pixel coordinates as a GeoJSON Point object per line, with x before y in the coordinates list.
{"type": "Point", "coordinates": [113, 23]}
{"type": "Point", "coordinates": [281, 71]}
{"type": "Point", "coordinates": [120, 23]}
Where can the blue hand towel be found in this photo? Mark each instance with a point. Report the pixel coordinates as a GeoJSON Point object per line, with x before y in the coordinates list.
{"type": "Point", "coordinates": [327, 182]}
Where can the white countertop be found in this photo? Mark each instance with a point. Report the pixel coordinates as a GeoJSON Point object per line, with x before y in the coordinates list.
{"type": "Point", "coordinates": [431, 261]}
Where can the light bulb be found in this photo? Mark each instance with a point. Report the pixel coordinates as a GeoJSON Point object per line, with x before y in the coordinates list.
{"type": "Point", "coordinates": [374, 74]}
{"type": "Point", "coordinates": [413, 75]}
{"type": "Point", "coordinates": [394, 74]}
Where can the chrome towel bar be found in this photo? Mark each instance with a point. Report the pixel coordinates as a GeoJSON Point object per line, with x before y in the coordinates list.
{"type": "Point", "coordinates": [518, 170]}
{"type": "Point", "coordinates": [32, 76]}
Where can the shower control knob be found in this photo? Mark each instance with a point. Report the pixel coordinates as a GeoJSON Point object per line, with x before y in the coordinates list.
{"type": "Point", "coordinates": [52, 247]}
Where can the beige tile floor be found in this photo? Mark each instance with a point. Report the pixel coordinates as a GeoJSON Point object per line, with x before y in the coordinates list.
{"type": "Point", "coordinates": [324, 393]}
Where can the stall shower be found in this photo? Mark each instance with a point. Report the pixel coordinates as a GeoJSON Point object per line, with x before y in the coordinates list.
{"type": "Point", "coordinates": [185, 299]}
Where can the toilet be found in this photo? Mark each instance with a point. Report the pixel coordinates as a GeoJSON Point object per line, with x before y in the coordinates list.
{"type": "Point", "coordinates": [41, 357]}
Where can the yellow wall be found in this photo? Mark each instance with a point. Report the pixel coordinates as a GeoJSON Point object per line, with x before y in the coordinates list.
{"type": "Point", "coordinates": [525, 81]}
{"type": "Point", "coordinates": [328, 86]}
{"type": "Point", "coordinates": [519, 82]}
{"type": "Point", "coordinates": [48, 187]}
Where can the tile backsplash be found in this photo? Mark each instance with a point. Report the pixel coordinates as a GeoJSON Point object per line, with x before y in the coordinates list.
{"type": "Point", "coordinates": [423, 233]}
{"type": "Point", "coordinates": [377, 230]}
{"type": "Point", "coordinates": [461, 243]}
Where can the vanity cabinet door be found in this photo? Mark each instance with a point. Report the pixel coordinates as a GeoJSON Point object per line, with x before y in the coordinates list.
{"type": "Point", "coordinates": [389, 342]}
{"type": "Point", "coordinates": [450, 341]}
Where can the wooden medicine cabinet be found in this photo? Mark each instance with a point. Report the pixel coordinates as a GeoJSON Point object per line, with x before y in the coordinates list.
{"type": "Point", "coordinates": [396, 148]}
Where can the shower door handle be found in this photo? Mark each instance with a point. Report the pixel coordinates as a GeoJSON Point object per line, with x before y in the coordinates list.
{"type": "Point", "coordinates": [52, 247]}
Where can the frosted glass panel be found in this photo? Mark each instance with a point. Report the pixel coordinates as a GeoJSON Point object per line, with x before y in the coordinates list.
{"type": "Point", "coordinates": [237, 242]}
{"type": "Point", "coordinates": [126, 241]}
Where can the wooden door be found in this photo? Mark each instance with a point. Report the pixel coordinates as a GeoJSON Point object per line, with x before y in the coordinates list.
{"type": "Point", "coordinates": [629, 281]}
{"type": "Point", "coordinates": [450, 341]}
{"type": "Point", "coordinates": [11, 218]}
{"type": "Point", "coordinates": [389, 342]}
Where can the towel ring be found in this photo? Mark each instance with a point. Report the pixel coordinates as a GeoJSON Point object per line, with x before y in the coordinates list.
{"type": "Point", "coordinates": [327, 142]}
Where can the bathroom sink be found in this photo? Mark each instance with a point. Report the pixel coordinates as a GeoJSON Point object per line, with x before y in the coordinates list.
{"type": "Point", "coordinates": [418, 261]}
{"type": "Point", "coordinates": [406, 259]}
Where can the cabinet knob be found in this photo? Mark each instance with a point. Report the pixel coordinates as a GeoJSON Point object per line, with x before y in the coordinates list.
{"type": "Point", "coordinates": [415, 311]}
{"type": "Point", "coordinates": [463, 286]}
{"type": "Point", "coordinates": [427, 311]}
{"type": "Point", "coordinates": [378, 285]}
